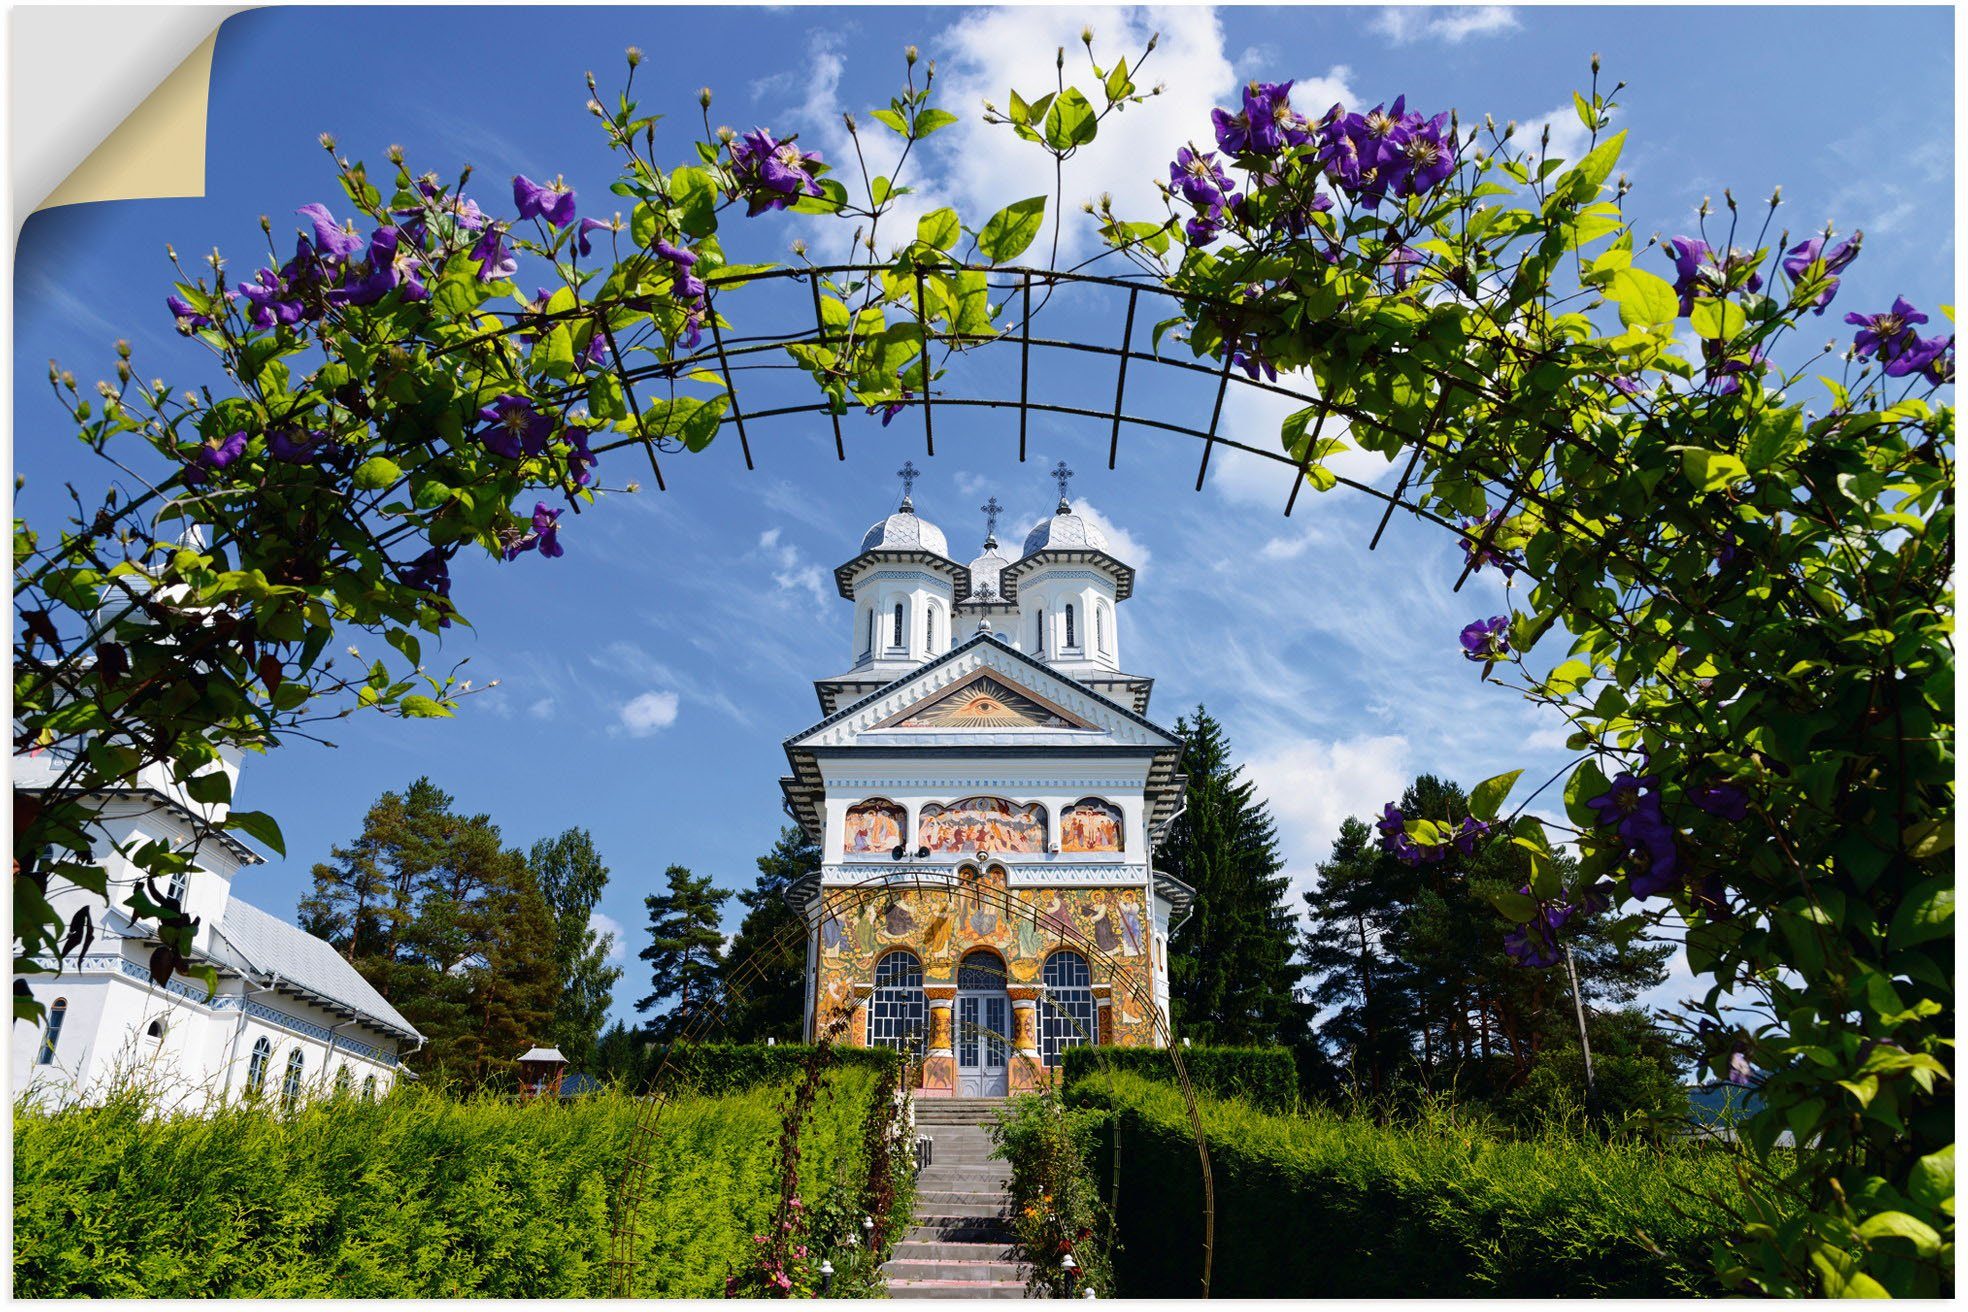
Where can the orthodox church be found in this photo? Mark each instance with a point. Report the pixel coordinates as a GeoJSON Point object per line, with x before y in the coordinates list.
{"type": "Point", "coordinates": [987, 793]}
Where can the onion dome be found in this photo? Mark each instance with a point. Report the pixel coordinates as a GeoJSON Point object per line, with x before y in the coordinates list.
{"type": "Point", "coordinates": [987, 573]}
{"type": "Point", "coordinates": [1065, 531]}
{"type": "Point", "coordinates": [904, 531]}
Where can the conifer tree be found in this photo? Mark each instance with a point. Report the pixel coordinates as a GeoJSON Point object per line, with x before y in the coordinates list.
{"type": "Point", "coordinates": [1232, 964]}
{"type": "Point", "coordinates": [571, 877]}
{"type": "Point", "coordinates": [684, 952]}
{"type": "Point", "coordinates": [448, 925]}
{"type": "Point", "coordinates": [770, 948]}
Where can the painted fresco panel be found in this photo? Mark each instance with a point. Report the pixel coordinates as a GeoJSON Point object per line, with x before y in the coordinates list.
{"type": "Point", "coordinates": [982, 822]}
{"type": "Point", "coordinates": [1090, 825]}
{"type": "Point", "coordinates": [873, 827]}
{"type": "Point", "coordinates": [1107, 925]}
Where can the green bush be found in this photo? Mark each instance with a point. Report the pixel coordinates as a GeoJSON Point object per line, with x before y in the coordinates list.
{"type": "Point", "coordinates": [417, 1195]}
{"type": "Point", "coordinates": [1056, 1206]}
{"type": "Point", "coordinates": [1321, 1205]}
{"type": "Point", "coordinates": [717, 1068]}
{"type": "Point", "coordinates": [1263, 1077]}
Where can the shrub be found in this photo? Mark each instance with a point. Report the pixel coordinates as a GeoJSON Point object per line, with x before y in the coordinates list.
{"type": "Point", "coordinates": [1263, 1077]}
{"type": "Point", "coordinates": [1317, 1204]}
{"type": "Point", "coordinates": [709, 1069]}
{"type": "Point", "coordinates": [414, 1196]}
{"type": "Point", "coordinates": [1056, 1207]}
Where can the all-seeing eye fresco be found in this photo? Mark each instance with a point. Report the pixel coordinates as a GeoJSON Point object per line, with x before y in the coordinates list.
{"type": "Point", "coordinates": [872, 827]}
{"type": "Point", "coordinates": [1090, 825]}
{"type": "Point", "coordinates": [982, 822]}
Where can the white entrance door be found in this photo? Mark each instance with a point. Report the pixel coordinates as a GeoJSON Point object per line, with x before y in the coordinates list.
{"type": "Point", "coordinates": [983, 1057]}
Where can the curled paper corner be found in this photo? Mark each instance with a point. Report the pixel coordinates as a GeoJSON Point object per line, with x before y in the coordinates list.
{"type": "Point", "coordinates": [158, 150]}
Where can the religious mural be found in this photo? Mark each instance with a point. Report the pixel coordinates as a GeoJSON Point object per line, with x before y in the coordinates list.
{"type": "Point", "coordinates": [984, 703]}
{"type": "Point", "coordinates": [873, 827]}
{"type": "Point", "coordinates": [1024, 926]}
{"type": "Point", "coordinates": [1090, 825]}
{"type": "Point", "coordinates": [982, 822]}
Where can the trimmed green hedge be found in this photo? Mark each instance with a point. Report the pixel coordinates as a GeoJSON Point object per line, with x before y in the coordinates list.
{"type": "Point", "coordinates": [709, 1069]}
{"type": "Point", "coordinates": [1263, 1077]}
{"type": "Point", "coordinates": [1320, 1205]}
{"type": "Point", "coordinates": [414, 1196]}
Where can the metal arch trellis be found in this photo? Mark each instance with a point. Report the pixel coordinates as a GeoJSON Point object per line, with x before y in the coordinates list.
{"type": "Point", "coordinates": [838, 901]}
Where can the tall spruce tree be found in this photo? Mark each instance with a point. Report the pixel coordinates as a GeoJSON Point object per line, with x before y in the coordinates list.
{"type": "Point", "coordinates": [764, 969]}
{"type": "Point", "coordinates": [684, 952]}
{"type": "Point", "coordinates": [448, 924]}
{"type": "Point", "coordinates": [1232, 966]}
{"type": "Point", "coordinates": [571, 877]}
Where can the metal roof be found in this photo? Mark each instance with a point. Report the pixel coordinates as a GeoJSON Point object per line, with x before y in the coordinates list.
{"type": "Point", "coordinates": [306, 965]}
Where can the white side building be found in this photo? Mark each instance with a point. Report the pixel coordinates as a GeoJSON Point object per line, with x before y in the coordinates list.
{"type": "Point", "coordinates": [291, 1017]}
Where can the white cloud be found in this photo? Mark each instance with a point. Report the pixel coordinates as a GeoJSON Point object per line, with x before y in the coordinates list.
{"type": "Point", "coordinates": [1313, 785]}
{"type": "Point", "coordinates": [608, 927]}
{"type": "Point", "coordinates": [1452, 24]}
{"type": "Point", "coordinates": [1256, 418]}
{"type": "Point", "coordinates": [541, 709]}
{"type": "Point", "coordinates": [649, 712]}
{"type": "Point", "coordinates": [1120, 543]}
{"type": "Point", "coordinates": [792, 571]}
{"type": "Point", "coordinates": [1570, 138]}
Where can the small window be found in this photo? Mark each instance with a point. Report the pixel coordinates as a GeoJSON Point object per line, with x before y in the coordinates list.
{"type": "Point", "coordinates": [871, 628]}
{"type": "Point", "coordinates": [1039, 648]}
{"type": "Point", "coordinates": [369, 1089]}
{"type": "Point", "coordinates": [1100, 626]}
{"type": "Point", "coordinates": [256, 1066]}
{"type": "Point", "coordinates": [1072, 639]}
{"type": "Point", "coordinates": [897, 641]}
{"type": "Point", "coordinates": [929, 628]}
{"type": "Point", "coordinates": [290, 1088]}
{"type": "Point", "coordinates": [344, 1081]}
{"type": "Point", "coordinates": [1068, 1017]}
{"type": "Point", "coordinates": [56, 1015]}
{"type": "Point", "coordinates": [180, 881]}
{"type": "Point", "coordinates": [156, 1030]}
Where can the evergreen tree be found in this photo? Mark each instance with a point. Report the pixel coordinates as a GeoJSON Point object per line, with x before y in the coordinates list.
{"type": "Point", "coordinates": [446, 923]}
{"type": "Point", "coordinates": [571, 876]}
{"type": "Point", "coordinates": [1231, 964]}
{"type": "Point", "coordinates": [1355, 984]}
{"type": "Point", "coordinates": [770, 949]}
{"type": "Point", "coordinates": [684, 952]}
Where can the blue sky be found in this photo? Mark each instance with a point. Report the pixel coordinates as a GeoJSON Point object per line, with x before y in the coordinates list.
{"type": "Point", "coordinates": [648, 678]}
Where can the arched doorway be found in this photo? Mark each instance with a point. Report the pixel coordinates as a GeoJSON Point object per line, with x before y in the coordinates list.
{"type": "Point", "coordinates": [983, 1025]}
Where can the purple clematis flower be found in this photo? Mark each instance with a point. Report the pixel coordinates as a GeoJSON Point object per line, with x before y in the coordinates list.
{"type": "Point", "coordinates": [1471, 832]}
{"type": "Point", "coordinates": [214, 454]}
{"type": "Point", "coordinates": [1486, 640]}
{"type": "Point", "coordinates": [514, 429]}
{"type": "Point", "coordinates": [332, 241]}
{"type": "Point", "coordinates": [1798, 260]}
{"type": "Point", "coordinates": [1633, 805]}
{"type": "Point", "coordinates": [1626, 385]}
{"type": "Point", "coordinates": [1725, 371]}
{"type": "Point", "coordinates": [296, 446]}
{"type": "Point", "coordinates": [1478, 555]}
{"type": "Point", "coordinates": [1199, 178]}
{"type": "Point", "coordinates": [1940, 370]}
{"type": "Point", "coordinates": [1271, 123]}
{"type": "Point", "coordinates": [581, 242]}
{"type": "Point", "coordinates": [1699, 271]}
{"type": "Point", "coordinates": [188, 316]}
{"type": "Point", "coordinates": [1204, 228]}
{"type": "Point", "coordinates": [393, 266]}
{"type": "Point", "coordinates": [1723, 799]}
{"type": "Point", "coordinates": [1890, 337]}
{"type": "Point", "coordinates": [1418, 156]}
{"type": "Point", "coordinates": [771, 174]}
{"type": "Point", "coordinates": [272, 301]}
{"type": "Point", "coordinates": [580, 461]}
{"type": "Point", "coordinates": [1739, 1068]}
{"type": "Point", "coordinates": [546, 530]}
{"type": "Point", "coordinates": [1391, 822]}
{"type": "Point", "coordinates": [1403, 260]}
{"type": "Point", "coordinates": [553, 202]}
{"type": "Point", "coordinates": [495, 262]}
{"type": "Point", "coordinates": [431, 572]}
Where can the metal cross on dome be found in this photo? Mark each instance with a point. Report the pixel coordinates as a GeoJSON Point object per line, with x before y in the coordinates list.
{"type": "Point", "coordinates": [1062, 476]}
{"type": "Point", "coordinates": [908, 474]}
{"type": "Point", "coordinates": [991, 511]}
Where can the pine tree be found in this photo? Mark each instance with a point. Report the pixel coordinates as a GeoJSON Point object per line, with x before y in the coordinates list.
{"type": "Point", "coordinates": [684, 952]}
{"type": "Point", "coordinates": [770, 949]}
{"type": "Point", "coordinates": [571, 877]}
{"type": "Point", "coordinates": [448, 925]}
{"type": "Point", "coordinates": [1356, 986]}
{"type": "Point", "coordinates": [1231, 964]}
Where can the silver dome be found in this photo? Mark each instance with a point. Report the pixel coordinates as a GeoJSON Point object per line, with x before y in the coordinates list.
{"type": "Point", "coordinates": [1065, 531]}
{"type": "Point", "coordinates": [905, 531]}
{"type": "Point", "coordinates": [987, 573]}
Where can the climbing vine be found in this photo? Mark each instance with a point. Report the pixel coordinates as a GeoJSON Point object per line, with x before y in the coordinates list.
{"type": "Point", "coordinates": [1742, 548]}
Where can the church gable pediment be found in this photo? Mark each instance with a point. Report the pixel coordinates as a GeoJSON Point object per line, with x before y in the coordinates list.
{"type": "Point", "coordinates": [984, 700]}
{"type": "Point", "coordinates": [987, 689]}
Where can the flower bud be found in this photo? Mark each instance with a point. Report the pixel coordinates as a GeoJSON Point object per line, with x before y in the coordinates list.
{"type": "Point", "coordinates": [1153, 37]}
{"type": "Point", "coordinates": [590, 78]}
{"type": "Point", "coordinates": [633, 487]}
{"type": "Point", "coordinates": [1059, 57]}
{"type": "Point", "coordinates": [849, 120]}
{"type": "Point", "coordinates": [54, 372]}
{"type": "Point", "coordinates": [394, 154]}
{"type": "Point", "coordinates": [1510, 129]}
{"type": "Point", "coordinates": [123, 347]}
{"type": "Point", "coordinates": [1595, 61]}
{"type": "Point", "coordinates": [634, 55]}
{"type": "Point", "coordinates": [726, 136]}
{"type": "Point", "coordinates": [266, 225]}
{"type": "Point", "coordinates": [68, 380]}
{"type": "Point", "coordinates": [799, 246]}
{"type": "Point", "coordinates": [1086, 35]}
{"type": "Point", "coordinates": [327, 140]}
{"type": "Point", "coordinates": [703, 97]}
{"type": "Point", "coordinates": [1729, 198]}
{"type": "Point", "coordinates": [1776, 196]}
{"type": "Point", "coordinates": [911, 54]}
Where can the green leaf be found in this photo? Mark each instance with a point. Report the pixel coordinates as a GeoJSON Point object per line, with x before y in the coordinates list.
{"type": "Point", "coordinates": [1718, 319]}
{"type": "Point", "coordinates": [931, 119]}
{"type": "Point", "coordinates": [1925, 915]}
{"type": "Point", "coordinates": [260, 827]}
{"type": "Point", "coordinates": [1011, 230]}
{"type": "Point", "coordinates": [1932, 1182]}
{"type": "Point", "coordinates": [939, 228]}
{"type": "Point", "coordinates": [376, 473]}
{"type": "Point", "coordinates": [1117, 85]}
{"type": "Point", "coordinates": [1710, 471]}
{"type": "Point", "coordinates": [1514, 906]}
{"type": "Point", "coordinates": [1898, 1225]}
{"type": "Point", "coordinates": [418, 707]}
{"type": "Point", "coordinates": [1586, 783]}
{"type": "Point", "coordinates": [1485, 798]}
{"type": "Point", "coordinates": [213, 788]}
{"type": "Point", "coordinates": [1644, 299]}
{"type": "Point", "coordinates": [1070, 122]}
{"type": "Point", "coordinates": [888, 118]}
{"type": "Point", "coordinates": [1592, 171]}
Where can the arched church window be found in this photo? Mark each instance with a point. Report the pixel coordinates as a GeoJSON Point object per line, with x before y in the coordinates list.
{"type": "Point", "coordinates": [1067, 1017]}
{"type": "Point", "coordinates": [344, 1081]}
{"type": "Point", "coordinates": [929, 627]}
{"type": "Point", "coordinates": [369, 1089]}
{"type": "Point", "coordinates": [872, 620]}
{"type": "Point", "coordinates": [57, 1013]}
{"type": "Point", "coordinates": [155, 1030]}
{"type": "Point", "coordinates": [897, 1015]}
{"type": "Point", "coordinates": [290, 1088]}
{"type": "Point", "coordinates": [1100, 626]}
{"type": "Point", "coordinates": [1038, 646]}
{"type": "Point", "coordinates": [180, 881]}
{"type": "Point", "coordinates": [897, 640]}
{"type": "Point", "coordinates": [256, 1066]}
{"type": "Point", "coordinates": [1072, 639]}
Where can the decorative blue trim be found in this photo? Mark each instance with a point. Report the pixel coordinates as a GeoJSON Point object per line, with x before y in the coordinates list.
{"type": "Point", "coordinates": [1027, 785]}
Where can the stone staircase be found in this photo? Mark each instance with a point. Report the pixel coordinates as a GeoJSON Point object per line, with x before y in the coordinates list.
{"type": "Point", "coordinates": [961, 1245]}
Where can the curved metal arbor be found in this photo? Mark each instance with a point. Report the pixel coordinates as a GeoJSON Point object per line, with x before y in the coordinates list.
{"type": "Point", "coordinates": [841, 901]}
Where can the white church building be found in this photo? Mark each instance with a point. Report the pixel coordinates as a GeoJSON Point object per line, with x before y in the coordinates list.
{"type": "Point", "coordinates": [291, 1018]}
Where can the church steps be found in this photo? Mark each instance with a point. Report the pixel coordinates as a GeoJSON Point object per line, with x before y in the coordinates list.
{"type": "Point", "coordinates": [951, 1289]}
